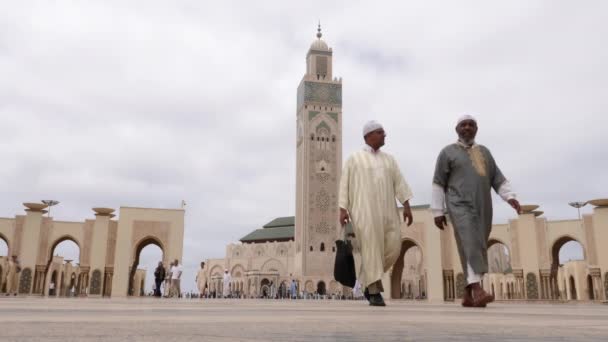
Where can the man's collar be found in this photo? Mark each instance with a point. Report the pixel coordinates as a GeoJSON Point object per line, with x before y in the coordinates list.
{"type": "Point", "coordinates": [466, 146]}
{"type": "Point", "coordinates": [369, 149]}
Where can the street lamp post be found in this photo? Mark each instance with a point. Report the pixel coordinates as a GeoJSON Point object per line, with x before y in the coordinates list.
{"type": "Point", "coordinates": [578, 206]}
{"type": "Point", "coordinates": [50, 203]}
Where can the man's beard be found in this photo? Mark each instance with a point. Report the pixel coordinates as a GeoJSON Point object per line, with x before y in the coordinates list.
{"type": "Point", "coordinates": [468, 142]}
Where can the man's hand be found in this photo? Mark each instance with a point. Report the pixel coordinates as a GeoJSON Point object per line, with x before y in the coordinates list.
{"type": "Point", "coordinates": [407, 213]}
{"type": "Point", "coordinates": [441, 222]}
{"type": "Point", "coordinates": [515, 205]}
{"type": "Point", "coordinates": [344, 218]}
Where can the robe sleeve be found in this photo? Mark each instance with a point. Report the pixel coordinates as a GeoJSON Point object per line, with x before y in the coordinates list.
{"type": "Point", "coordinates": [497, 178]}
{"type": "Point", "coordinates": [402, 189]}
{"type": "Point", "coordinates": [442, 170]}
{"type": "Point", "coordinates": [344, 201]}
{"type": "Point", "coordinates": [437, 201]}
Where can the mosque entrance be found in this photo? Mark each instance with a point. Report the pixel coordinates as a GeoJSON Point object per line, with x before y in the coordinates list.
{"type": "Point", "coordinates": [152, 251]}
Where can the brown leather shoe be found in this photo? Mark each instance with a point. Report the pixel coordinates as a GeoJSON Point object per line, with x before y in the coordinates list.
{"type": "Point", "coordinates": [480, 297]}
{"type": "Point", "coordinates": [467, 298]}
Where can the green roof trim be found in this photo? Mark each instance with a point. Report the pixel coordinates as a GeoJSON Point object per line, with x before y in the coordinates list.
{"type": "Point", "coordinates": [270, 234]}
{"type": "Point", "coordinates": [281, 222]}
{"type": "Point", "coordinates": [279, 229]}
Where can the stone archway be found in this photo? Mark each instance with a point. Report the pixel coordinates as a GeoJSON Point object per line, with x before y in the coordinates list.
{"type": "Point", "coordinates": [397, 272]}
{"type": "Point", "coordinates": [8, 246]}
{"type": "Point", "coordinates": [138, 248]}
{"type": "Point", "coordinates": [42, 281]}
{"type": "Point", "coordinates": [555, 263]}
{"type": "Point", "coordinates": [265, 288]}
{"type": "Point", "coordinates": [499, 257]}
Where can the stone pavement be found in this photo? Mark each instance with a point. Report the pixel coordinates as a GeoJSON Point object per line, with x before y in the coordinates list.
{"type": "Point", "coordinates": [166, 320]}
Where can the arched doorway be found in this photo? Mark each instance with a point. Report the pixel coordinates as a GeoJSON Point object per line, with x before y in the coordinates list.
{"type": "Point", "coordinates": [408, 269]}
{"type": "Point", "coordinates": [499, 258]}
{"type": "Point", "coordinates": [572, 289]}
{"type": "Point", "coordinates": [265, 288]}
{"type": "Point", "coordinates": [590, 288]}
{"type": "Point", "coordinates": [321, 288]}
{"type": "Point", "coordinates": [3, 254]}
{"type": "Point", "coordinates": [148, 252]}
{"type": "Point", "coordinates": [64, 256]}
{"type": "Point", "coordinates": [565, 253]}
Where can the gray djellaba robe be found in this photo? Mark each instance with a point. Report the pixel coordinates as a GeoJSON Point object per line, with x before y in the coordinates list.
{"type": "Point", "coordinates": [467, 175]}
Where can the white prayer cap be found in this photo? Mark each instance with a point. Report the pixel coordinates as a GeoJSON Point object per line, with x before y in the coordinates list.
{"type": "Point", "coordinates": [371, 126]}
{"type": "Point", "coordinates": [466, 117]}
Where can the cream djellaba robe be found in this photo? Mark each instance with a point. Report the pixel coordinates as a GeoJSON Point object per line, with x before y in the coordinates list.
{"type": "Point", "coordinates": [201, 281]}
{"type": "Point", "coordinates": [370, 183]}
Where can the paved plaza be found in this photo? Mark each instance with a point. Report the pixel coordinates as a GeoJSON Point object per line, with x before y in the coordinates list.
{"type": "Point", "coordinates": [148, 319]}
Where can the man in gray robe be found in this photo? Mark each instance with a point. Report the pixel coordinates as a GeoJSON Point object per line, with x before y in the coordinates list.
{"type": "Point", "coordinates": [465, 173]}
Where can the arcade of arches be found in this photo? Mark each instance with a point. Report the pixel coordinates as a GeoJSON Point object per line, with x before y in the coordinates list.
{"type": "Point", "coordinates": [523, 258]}
{"type": "Point", "coordinates": [108, 250]}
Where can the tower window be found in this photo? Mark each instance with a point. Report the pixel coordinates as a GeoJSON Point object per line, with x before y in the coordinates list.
{"type": "Point", "coordinates": [333, 249]}
{"type": "Point", "coordinates": [322, 249]}
{"type": "Point", "coordinates": [311, 248]}
{"type": "Point", "coordinates": [321, 62]}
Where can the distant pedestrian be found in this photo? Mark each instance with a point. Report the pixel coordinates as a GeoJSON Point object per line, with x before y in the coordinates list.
{"type": "Point", "coordinates": [159, 277]}
{"type": "Point", "coordinates": [176, 274]}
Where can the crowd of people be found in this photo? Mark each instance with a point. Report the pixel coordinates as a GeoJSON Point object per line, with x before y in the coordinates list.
{"type": "Point", "coordinates": [167, 283]}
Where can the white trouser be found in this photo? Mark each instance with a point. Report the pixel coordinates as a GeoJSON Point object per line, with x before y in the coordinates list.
{"type": "Point", "coordinates": [472, 277]}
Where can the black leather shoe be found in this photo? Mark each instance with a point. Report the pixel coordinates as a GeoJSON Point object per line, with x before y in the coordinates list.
{"type": "Point", "coordinates": [376, 300]}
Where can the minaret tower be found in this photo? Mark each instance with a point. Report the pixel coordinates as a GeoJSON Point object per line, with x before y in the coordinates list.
{"type": "Point", "coordinates": [319, 163]}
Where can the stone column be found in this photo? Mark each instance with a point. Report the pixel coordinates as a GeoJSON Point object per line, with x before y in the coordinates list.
{"type": "Point", "coordinates": [527, 246]}
{"type": "Point", "coordinates": [99, 245]}
{"type": "Point", "coordinates": [30, 242]}
{"type": "Point", "coordinates": [433, 260]}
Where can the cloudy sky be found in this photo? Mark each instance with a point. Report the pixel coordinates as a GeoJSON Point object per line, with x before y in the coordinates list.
{"type": "Point", "coordinates": [148, 103]}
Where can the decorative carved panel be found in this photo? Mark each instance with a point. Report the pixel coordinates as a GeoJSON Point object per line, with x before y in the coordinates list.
{"type": "Point", "coordinates": [25, 283]}
{"type": "Point", "coordinates": [460, 284]}
{"type": "Point", "coordinates": [326, 93]}
{"type": "Point", "coordinates": [606, 284]}
{"type": "Point", "coordinates": [96, 283]}
{"type": "Point", "coordinates": [322, 200]}
{"type": "Point", "coordinates": [531, 286]}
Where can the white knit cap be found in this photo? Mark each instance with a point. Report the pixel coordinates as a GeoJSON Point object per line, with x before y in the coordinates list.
{"type": "Point", "coordinates": [371, 126]}
{"type": "Point", "coordinates": [466, 117]}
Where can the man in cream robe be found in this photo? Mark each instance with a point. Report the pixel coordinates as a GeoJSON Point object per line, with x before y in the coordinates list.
{"type": "Point", "coordinates": [201, 280]}
{"type": "Point", "coordinates": [226, 284]}
{"type": "Point", "coordinates": [12, 276]}
{"type": "Point", "coordinates": [370, 183]}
